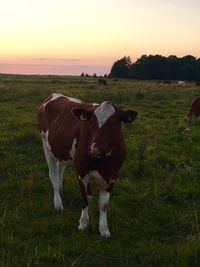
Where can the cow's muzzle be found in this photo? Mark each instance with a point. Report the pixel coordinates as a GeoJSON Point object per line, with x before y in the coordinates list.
{"type": "Point", "coordinates": [95, 151]}
{"type": "Point", "coordinates": [98, 152]}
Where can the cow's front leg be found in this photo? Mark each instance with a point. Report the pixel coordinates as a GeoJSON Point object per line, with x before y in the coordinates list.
{"type": "Point", "coordinates": [84, 219]}
{"type": "Point", "coordinates": [104, 197]}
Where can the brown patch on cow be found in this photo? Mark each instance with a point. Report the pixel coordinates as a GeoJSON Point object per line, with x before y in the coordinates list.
{"type": "Point", "coordinates": [197, 83]}
{"type": "Point", "coordinates": [194, 111]}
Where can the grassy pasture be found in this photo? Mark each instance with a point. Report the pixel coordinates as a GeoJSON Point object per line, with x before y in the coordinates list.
{"type": "Point", "coordinates": [154, 210]}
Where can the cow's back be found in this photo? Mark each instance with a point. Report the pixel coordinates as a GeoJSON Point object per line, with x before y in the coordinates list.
{"type": "Point", "coordinates": [53, 109]}
{"type": "Point", "coordinates": [59, 124]}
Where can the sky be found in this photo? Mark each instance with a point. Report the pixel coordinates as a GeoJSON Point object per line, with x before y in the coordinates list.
{"type": "Point", "coordinates": [68, 37]}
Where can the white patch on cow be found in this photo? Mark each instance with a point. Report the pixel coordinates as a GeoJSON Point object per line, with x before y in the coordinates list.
{"type": "Point", "coordinates": [45, 139]}
{"type": "Point", "coordinates": [85, 181]}
{"type": "Point", "coordinates": [74, 99]}
{"type": "Point", "coordinates": [98, 179]}
{"type": "Point", "coordinates": [103, 203]}
{"type": "Point", "coordinates": [56, 95]}
{"type": "Point", "coordinates": [109, 153]}
{"type": "Point", "coordinates": [69, 162]}
{"type": "Point", "coordinates": [73, 149]}
{"type": "Point", "coordinates": [84, 219]}
{"type": "Point", "coordinates": [181, 83]}
{"type": "Point", "coordinates": [103, 113]}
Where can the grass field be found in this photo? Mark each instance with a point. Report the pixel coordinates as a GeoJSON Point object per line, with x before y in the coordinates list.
{"type": "Point", "coordinates": [154, 212]}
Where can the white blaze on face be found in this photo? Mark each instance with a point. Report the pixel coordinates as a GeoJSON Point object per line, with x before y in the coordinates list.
{"type": "Point", "coordinates": [103, 113]}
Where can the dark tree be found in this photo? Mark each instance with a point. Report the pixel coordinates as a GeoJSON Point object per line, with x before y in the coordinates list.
{"type": "Point", "coordinates": [149, 67]}
{"type": "Point", "coordinates": [172, 63]}
{"type": "Point", "coordinates": [187, 68]}
{"type": "Point", "coordinates": [157, 67]}
{"type": "Point", "coordinates": [121, 68]}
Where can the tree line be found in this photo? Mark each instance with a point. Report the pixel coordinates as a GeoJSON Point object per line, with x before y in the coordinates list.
{"type": "Point", "coordinates": [157, 67]}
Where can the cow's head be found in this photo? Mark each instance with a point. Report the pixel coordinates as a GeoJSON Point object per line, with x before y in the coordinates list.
{"type": "Point", "coordinates": [104, 122]}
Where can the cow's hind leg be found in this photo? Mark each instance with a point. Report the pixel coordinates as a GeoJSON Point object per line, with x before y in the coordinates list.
{"type": "Point", "coordinates": [56, 171]}
{"type": "Point", "coordinates": [61, 168]}
{"type": "Point", "coordinates": [86, 197]}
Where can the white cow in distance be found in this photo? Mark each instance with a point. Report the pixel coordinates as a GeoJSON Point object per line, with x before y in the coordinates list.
{"type": "Point", "coordinates": [181, 83]}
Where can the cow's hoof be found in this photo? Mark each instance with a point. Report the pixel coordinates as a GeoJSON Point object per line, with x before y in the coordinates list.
{"type": "Point", "coordinates": [82, 228]}
{"type": "Point", "coordinates": [105, 233]}
{"type": "Point", "coordinates": [60, 210]}
{"type": "Point", "coordinates": [82, 231]}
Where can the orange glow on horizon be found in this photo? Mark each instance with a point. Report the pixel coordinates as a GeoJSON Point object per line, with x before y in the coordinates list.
{"type": "Point", "coordinates": [94, 32]}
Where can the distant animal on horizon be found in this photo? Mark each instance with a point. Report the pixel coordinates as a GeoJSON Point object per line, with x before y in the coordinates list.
{"type": "Point", "coordinates": [181, 83]}
{"type": "Point", "coordinates": [166, 82]}
{"type": "Point", "coordinates": [194, 111]}
{"type": "Point", "coordinates": [197, 83]}
{"type": "Point", "coordinates": [102, 82]}
{"type": "Point", "coordinates": [88, 136]}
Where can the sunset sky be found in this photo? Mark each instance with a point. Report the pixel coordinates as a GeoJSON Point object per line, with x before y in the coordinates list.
{"type": "Point", "coordinates": [74, 36]}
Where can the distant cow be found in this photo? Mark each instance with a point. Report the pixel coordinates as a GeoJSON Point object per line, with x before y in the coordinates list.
{"type": "Point", "coordinates": [88, 136]}
{"type": "Point", "coordinates": [197, 83]}
{"type": "Point", "coordinates": [166, 82]}
{"type": "Point", "coordinates": [181, 83]}
{"type": "Point", "coordinates": [194, 109]}
{"type": "Point", "coordinates": [102, 82]}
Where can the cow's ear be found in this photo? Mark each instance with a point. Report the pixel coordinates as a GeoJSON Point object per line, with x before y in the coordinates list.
{"type": "Point", "coordinates": [128, 116]}
{"type": "Point", "coordinates": [82, 114]}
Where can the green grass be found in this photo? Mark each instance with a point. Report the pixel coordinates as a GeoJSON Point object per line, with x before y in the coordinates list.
{"type": "Point", "coordinates": [154, 212]}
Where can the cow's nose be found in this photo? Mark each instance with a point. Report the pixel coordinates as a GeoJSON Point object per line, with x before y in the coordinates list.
{"type": "Point", "coordinates": [94, 150]}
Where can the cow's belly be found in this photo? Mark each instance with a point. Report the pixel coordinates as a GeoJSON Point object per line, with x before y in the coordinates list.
{"type": "Point", "coordinates": [61, 152]}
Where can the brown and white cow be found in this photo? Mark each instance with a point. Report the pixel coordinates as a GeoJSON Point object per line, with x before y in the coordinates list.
{"type": "Point", "coordinates": [194, 111]}
{"type": "Point", "coordinates": [197, 83]}
{"type": "Point", "coordinates": [102, 82]}
{"type": "Point", "coordinates": [89, 137]}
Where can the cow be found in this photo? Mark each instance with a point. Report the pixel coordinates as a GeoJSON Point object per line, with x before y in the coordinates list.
{"type": "Point", "coordinates": [181, 83]}
{"type": "Point", "coordinates": [194, 109]}
{"type": "Point", "coordinates": [197, 83]}
{"type": "Point", "coordinates": [89, 137]}
{"type": "Point", "coordinates": [167, 82]}
{"type": "Point", "coordinates": [102, 82]}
